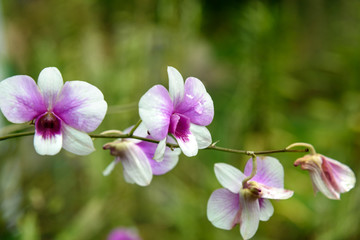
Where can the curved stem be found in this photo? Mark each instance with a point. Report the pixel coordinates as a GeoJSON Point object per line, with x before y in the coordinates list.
{"type": "Point", "coordinates": [254, 167]}
{"type": "Point", "coordinates": [135, 127]}
{"type": "Point", "coordinates": [172, 146]}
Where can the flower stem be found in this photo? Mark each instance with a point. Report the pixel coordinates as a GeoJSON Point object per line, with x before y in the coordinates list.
{"type": "Point", "coordinates": [254, 167]}
{"type": "Point", "coordinates": [15, 135]}
{"type": "Point", "coordinates": [172, 146]}
{"type": "Point", "coordinates": [135, 127]}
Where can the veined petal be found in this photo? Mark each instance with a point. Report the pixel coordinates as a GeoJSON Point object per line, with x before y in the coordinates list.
{"type": "Point", "coordinates": [50, 83]}
{"type": "Point", "coordinates": [266, 209]}
{"type": "Point", "coordinates": [202, 135]}
{"type": "Point", "coordinates": [188, 145]}
{"type": "Point", "coordinates": [273, 192]}
{"type": "Point", "coordinates": [170, 158]}
{"type": "Point", "coordinates": [20, 99]}
{"type": "Point", "coordinates": [197, 103]}
{"type": "Point", "coordinates": [176, 85]}
{"type": "Point", "coordinates": [229, 177]}
{"type": "Point", "coordinates": [223, 209]}
{"type": "Point", "coordinates": [155, 109]}
{"type": "Point", "coordinates": [160, 151]}
{"type": "Point", "coordinates": [270, 172]}
{"type": "Point", "coordinates": [250, 215]}
{"type": "Point", "coordinates": [137, 168]}
{"type": "Point", "coordinates": [47, 141]}
{"type": "Point", "coordinates": [76, 141]}
{"type": "Point", "coordinates": [342, 176]}
{"type": "Point", "coordinates": [81, 105]}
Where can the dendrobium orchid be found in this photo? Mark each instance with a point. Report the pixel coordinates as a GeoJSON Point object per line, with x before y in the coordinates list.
{"type": "Point", "coordinates": [136, 157]}
{"type": "Point", "coordinates": [62, 113]}
{"type": "Point", "coordinates": [183, 112]}
{"type": "Point", "coordinates": [243, 201]}
{"type": "Point", "coordinates": [328, 175]}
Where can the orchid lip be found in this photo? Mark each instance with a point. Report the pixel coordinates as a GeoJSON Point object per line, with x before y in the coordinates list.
{"type": "Point", "coordinates": [179, 126]}
{"type": "Point", "coordinates": [48, 124]}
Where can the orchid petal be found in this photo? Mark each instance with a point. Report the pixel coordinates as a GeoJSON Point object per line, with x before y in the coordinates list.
{"type": "Point", "coordinates": [250, 215]}
{"type": "Point", "coordinates": [50, 83]}
{"type": "Point", "coordinates": [229, 177]}
{"type": "Point", "coordinates": [110, 167]}
{"type": "Point", "coordinates": [266, 209]}
{"type": "Point", "coordinates": [270, 172]}
{"type": "Point", "coordinates": [197, 103]}
{"type": "Point", "coordinates": [202, 135]}
{"type": "Point", "coordinates": [47, 142]}
{"type": "Point", "coordinates": [223, 209]}
{"type": "Point", "coordinates": [21, 99]}
{"type": "Point", "coordinates": [136, 166]}
{"type": "Point", "coordinates": [76, 141]}
{"type": "Point", "coordinates": [188, 145]}
{"type": "Point", "coordinates": [81, 105]}
{"type": "Point", "coordinates": [155, 109]}
{"type": "Point", "coordinates": [273, 192]}
{"type": "Point", "coordinates": [342, 174]}
{"type": "Point", "coordinates": [160, 151]}
{"type": "Point", "coordinates": [170, 158]}
{"type": "Point", "coordinates": [176, 85]}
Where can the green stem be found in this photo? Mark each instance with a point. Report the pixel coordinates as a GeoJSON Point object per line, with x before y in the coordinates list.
{"type": "Point", "coordinates": [135, 127]}
{"type": "Point", "coordinates": [15, 135]}
{"type": "Point", "coordinates": [172, 146]}
{"type": "Point", "coordinates": [254, 167]}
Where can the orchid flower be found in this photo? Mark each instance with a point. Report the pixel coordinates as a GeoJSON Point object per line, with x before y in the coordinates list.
{"type": "Point", "coordinates": [136, 157]}
{"type": "Point", "coordinates": [183, 112]}
{"type": "Point", "coordinates": [328, 175]}
{"type": "Point", "coordinates": [246, 202]}
{"type": "Point", "coordinates": [62, 113]}
{"type": "Point", "coordinates": [123, 234]}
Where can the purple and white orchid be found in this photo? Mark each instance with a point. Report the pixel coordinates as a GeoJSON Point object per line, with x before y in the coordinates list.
{"type": "Point", "coordinates": [62, 113]}
{"type": "Point", "coordinates": [246, 203]}
{"type": "Point", "coordinates": [183, 112]}
{"type": "Point", "coordinates": [136, 157]}
{"type": "Point", "coordinates": [328, 175]}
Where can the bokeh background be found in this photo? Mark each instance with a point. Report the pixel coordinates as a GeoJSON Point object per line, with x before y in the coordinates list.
{"type": "Point", "coordinates": [278, 71]}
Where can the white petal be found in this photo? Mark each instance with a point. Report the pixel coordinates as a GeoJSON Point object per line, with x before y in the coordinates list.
{"type": "Point", "coordinates": [176, 85]}
{"type": "Point", "coordinates": [20, 99]}
{"type": "Point", "coordinates": [160, 151]}
{"type": "Point", "coordinates": [50, 83]}
{"type": "Point", "coordinates": [223, 209]}
{"type": "Point", "coordinates": [110, 167]}
{"type": "Point", "coordinates": [250, 215]}
{"type": "Point", "coordinates": [202, 135]}
{"type": "Point", "coordinates": [270, 172]}
{"type": "Point", "coordinates": [266, 209]}
{"type": "Point", "coordinates": [273, 192]}
{"type": "Point", "coordinates": [155, 109]}
{"type": "Point", "coordinates": [189, 145]}
{"type": "Point", "coordinates": [229, 177]}
{"type": "Point", "coordinates": [81, 106]}
{"type": "Point", "coordinates": [76, 141]}
{"type": "Point", "coordinates": [137, 168]}
{"type": "Point", "coordinates": [48, 145]}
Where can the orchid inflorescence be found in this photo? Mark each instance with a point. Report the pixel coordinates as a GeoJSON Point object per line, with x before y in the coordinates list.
{"type": "Point", "coordinates": [171, 122]}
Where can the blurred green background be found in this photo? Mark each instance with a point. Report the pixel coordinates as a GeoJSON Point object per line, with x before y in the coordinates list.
{"type": "Point", "coordinates": [278, 71]}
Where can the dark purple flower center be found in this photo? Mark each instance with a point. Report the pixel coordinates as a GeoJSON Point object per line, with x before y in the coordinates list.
{"type": "Point", "coordinates": [48, 125]}
{"type": "Point", "coordinates": [180, 126]}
